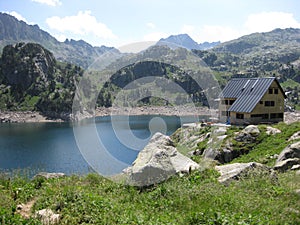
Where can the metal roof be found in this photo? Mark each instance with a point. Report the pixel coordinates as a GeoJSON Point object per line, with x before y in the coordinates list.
{"type": "Point", "coordinates": [247, 92]}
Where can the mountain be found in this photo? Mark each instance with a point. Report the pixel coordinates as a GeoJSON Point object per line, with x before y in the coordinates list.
{"type": "Point", "coordinates": [76, 52]}
{"type": "Point", "coordinates": [258, 43]}
{"type": "Point", "coordinates": [275, 53]}
{"type": "Point", "coordinates": [32, 79]}
{"type": "Point", "coordinates": [184, 40]}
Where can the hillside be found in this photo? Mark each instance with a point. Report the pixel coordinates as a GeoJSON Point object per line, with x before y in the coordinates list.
{"type": "Point", "coordinates": [32, 79]}
{"type": "Point", "coordinates": [80, 52]}
{"type": "Point", "coordinates": [275, 53]}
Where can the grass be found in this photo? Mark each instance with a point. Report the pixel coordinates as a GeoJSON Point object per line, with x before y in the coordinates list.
{"type": "Point", "coordinates": [197, 198]}
{"type": "Point", "coordinates": [267, 146]}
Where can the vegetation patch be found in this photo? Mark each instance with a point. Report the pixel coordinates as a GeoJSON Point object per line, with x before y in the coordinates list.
{"type": "Point", "coordinates": [197, 198]}
{"type": "Point", "coordinates": [266, 146]}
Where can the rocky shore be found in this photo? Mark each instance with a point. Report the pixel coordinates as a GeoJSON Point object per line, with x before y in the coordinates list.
{"type": "Point", "coordinates": [24, 117]}
{"type": "Point", "coordinates": [31, 117]}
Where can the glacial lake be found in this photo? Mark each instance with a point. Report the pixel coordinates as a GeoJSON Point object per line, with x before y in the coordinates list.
{"type": "Point", "coordinates": [58, 147]}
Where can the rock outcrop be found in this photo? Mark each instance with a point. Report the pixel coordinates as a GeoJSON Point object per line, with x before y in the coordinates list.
{"type": "Point", "coordinates": [272, 131]}
{"type": "Point", "coordinates": [289, 157]}
{"type": "Point", "coordinates": [158, 161]}
{"type": "Point", "coordinates": [216, 138]}
{"type": "Point", "coordinates": [295, 136]}
{"type": "Point", "coordinates": [235, 171]}
{"type": "Point", "coordinates": [47, 217]}
{"type": "Point", "coordinates": [248, 134]}
{"type": "Point", "coordinates": [49, 175]}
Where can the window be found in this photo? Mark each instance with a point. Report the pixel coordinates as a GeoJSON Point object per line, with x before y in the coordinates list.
{"type": "Point", "coordinates": [261, 102]}
{"type": "Point", "coordinates": [269, 103]}
{"type": "Point", "coordinates": [265, 116]}
{"type": "Point", "coordinates": [231, 102]}
{"type": "Point", "coordinates": [239, 116]}
{"type": "Point", "coordinates": [276, 115]}
{"type": "Point", "coordinates": [270, 91]}
{"type": "Point", "coordinates": [276, 91]}
{"type": "Point", "coordinates": [262, 116]}
{"type": "Point", "coordinates": [225, 113]}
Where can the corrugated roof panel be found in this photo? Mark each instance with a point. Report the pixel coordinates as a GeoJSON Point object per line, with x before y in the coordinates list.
{"type": "Point", "coordinates": [247, 91]}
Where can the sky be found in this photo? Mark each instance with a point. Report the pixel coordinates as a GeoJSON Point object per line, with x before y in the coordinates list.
{"type": "Point", "coordinates": [122, 22]}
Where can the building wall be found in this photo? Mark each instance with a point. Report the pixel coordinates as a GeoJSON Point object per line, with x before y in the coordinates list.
{"type": "Point", "coordinates": [269, 109]}
{"type": "Point", "coordinates": [223, 108]}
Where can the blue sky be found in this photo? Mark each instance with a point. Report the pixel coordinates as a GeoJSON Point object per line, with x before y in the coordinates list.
{"type": "Point", "coordinates": [122, 22]}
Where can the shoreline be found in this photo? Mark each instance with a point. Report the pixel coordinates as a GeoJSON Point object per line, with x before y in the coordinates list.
{"type": "Point", "coordinates": [36, 117]}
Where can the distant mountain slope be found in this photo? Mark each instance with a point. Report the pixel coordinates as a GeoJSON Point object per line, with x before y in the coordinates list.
{"type": "Point", "coordinates": [186, 41]}
{"type": "Point", "coordinates": [263, 42]}
{"type": "Point", "coordinates": [32, 79]}
{"type": "Point", "coordinates": [275, 53]}
{"type": "Point", "coordinates": [78, 52]}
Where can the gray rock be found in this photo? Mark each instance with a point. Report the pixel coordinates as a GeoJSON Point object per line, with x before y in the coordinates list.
{"type": "Point", "coordinates": [296, 167]}
{"type": "Point", "coordinates": [291, 151]}
{"type": "Point", "coordinates": [297, 191]}
{"type": "Point", "coordinates": [217, 136]}
{"type": "Point", "coordinates": [272, 131]}
{"type": "Point", "coordinates": [286, 164]}
{"type": "Point", "coordinates": [295, 136]}
{"type": "Point", "coordinates": [158, 161]}
{"type": "Point", "coordinates": [49, 175]}
{"type": "Point", "coordinates": [235, 171]}
{"type": "Point", "coordinates": [248, 134]}
{"type": "Point", "coordinates": [47, 217]}
{"type": "Point", "coordinates": [252, 130]}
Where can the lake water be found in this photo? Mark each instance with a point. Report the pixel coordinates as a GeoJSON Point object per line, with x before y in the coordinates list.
{"type": "Point", "coordinates": [72, 147]}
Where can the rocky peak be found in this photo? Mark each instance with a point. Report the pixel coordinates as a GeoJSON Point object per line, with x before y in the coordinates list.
{"type": "Point", "coordinates": [23, 64]}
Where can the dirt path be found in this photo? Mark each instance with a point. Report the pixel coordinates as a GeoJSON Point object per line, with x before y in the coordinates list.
{"type": "Point", "coordinates": [25, 209]}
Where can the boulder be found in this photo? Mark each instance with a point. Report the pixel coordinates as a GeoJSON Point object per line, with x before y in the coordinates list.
{"type": "Point", "coordinates": [291, 151]}
{"type": "Point", "coordinates": [289, 158]}
{"type": "Point", "coordinates": [49, 175]}
{"type": "Point", "coordinates": [235, 171]}
{"type": "Point", "coordinates": [47, 217]}
{"type": "Point", "coordinates": [296, 167]}
{"type": "Point", "coordinates": [216, 138]}
{"type": "Point", "coordinates": [252, 130]}
{"type": "Point", "coordinates": [272, 131]}
{"type": "Point", "coordinates": [158, 161]}
{"type": "Point", "coordinates": [295, 136]}
{"type": "Point", "coordinates": [248, 134]}
{"type": "Point", "coordinates": [286, 164]}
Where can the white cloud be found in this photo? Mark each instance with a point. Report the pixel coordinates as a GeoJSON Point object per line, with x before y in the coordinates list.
{"type": "Point", "coordinates": [211, 33]}
{"type": "Point", "coordinates": [17, 15]}
{"type": "Point", "coordinates": [151, 25]}
{"type": "Point", "coordinates": [48, 2]}
{"type": "Point", "coordinates": [260, 22]}
{"type": "Point", "coordinates": [267, 21]}
{"type": "Point", "coordinates": [82, 24]}
{"type": "Point", "coordinates": [217, 33]}
{"type": "Point", "coordinates": [188, 29]}
{"type": "Point", "coordinates": [155, 36]}
{"type": "Point", "coordinates": [136, 47]}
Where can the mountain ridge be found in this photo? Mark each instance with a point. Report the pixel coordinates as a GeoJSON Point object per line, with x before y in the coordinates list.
{"type": "Point", "coordinates": [81, 53]}
{"type": "Point", "coordinates": [184, 40]}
